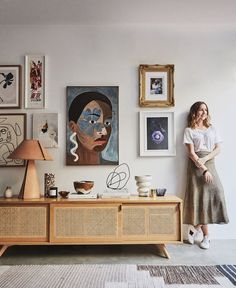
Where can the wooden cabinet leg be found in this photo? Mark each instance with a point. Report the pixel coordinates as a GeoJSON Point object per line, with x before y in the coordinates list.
{"type": "Point", "coordinates": [3, 248]}
{"type": "Point", "coordinates": [163, 249]}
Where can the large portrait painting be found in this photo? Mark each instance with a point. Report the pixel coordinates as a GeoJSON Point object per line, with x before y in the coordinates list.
{"type": "Point", "coordinates": [157, 134]}
{"type": "Point", "coordinates": [12, 133]}
{"type": "Point", "coordinates": [92, 125]}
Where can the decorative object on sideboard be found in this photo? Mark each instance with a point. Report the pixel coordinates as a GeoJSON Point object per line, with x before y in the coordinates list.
{"type": "Point", "coordinates": [8, 192]}
{"type": "Point", "coordinates": [144, 184]}
{"type": "Point", "coordinates": [52, 193]}
{"type": "Point", "coordinates": [83, 187]}
{"type": "Point", "coordinates": [119, 177]}
{"type": "Point", "coordinates": [160, 191]}
{"type": "Point", "coordinates": [30, 150]}
{"type": "Point", "coordinates": [64, 194]}
{"type": "Point", "coordinates": [49, 181]}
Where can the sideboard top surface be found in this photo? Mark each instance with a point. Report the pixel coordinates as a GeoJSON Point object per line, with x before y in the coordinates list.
{"type": "Point", "coordinates": [133, 199]}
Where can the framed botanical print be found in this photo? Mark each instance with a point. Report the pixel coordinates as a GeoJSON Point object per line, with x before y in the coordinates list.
{"type": "Point", "coordinates": [10, 86]}
{"type": "Point", "coordinates": [156, 85]}
{"type": "Point", "coordinates": [45, 129]}
{"type": "Point", "coordinates": [92, 125]}
{"type": "Point", "coordinates": [157, 134]}
{"type": "Point", "coordinates": [35, 81]}
{"type": "Point", "coordinates": [12, 133]}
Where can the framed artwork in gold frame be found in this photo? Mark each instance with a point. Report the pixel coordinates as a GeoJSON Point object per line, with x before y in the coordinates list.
{"type": "Point", "coordinates": [156, 84]}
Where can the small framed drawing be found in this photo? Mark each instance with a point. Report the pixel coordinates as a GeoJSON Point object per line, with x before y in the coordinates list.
{"type": "Point", "coordinates": [45, 129]}
{"type": "Point", "coordinates": [156, 85]}
{"type": "Point", "coordinates": [35, 81]}
{"type": "Point", "coordinates": [12, 133]}
{"type": "Point", "coordinates": [10, 86]}
{"type": "Point", "coordinates": [157, 134]}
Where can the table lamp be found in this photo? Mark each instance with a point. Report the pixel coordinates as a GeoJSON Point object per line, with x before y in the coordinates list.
{"type": "Point", "coordinates": [30, 150]}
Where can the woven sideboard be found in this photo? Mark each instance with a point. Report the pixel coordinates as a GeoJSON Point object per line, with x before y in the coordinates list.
{"type": "Point", "coordinates": [48, 221]}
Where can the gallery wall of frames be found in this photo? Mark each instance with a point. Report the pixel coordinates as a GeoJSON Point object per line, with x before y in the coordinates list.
{"type": "Point", "coordinates": [92, 114]}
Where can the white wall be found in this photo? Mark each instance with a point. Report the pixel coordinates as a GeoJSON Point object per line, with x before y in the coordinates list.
{"type": "Point", "coordinates": [205, 69]}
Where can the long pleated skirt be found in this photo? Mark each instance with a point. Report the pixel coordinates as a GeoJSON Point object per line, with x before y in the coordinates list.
{"type": "Point", "coordinates": [204, 203]}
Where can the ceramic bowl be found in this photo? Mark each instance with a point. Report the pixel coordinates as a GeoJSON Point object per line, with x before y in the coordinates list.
{"type": "Point", "coordinates": [83, 187]}
{"type": "Point", "coordinates": [161, 191]}
{"type": "Point", "coordinates": [64, 194]}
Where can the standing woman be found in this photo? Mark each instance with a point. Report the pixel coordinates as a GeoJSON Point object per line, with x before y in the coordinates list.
{"type": "Point", "coordinates": [204, 199]}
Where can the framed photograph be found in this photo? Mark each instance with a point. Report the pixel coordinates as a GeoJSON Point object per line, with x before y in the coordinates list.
{"type": "Point", "coordinates": [157, 134]}
{"type": "Point", "coordinates": [35, 81]}
{"type": "Point", "coordinates": [156, 85]}
{"type": "Point", "coordinates": [10, 86]}
{"type": "Point", "coordinates": [92, 125]}
{"type": "Point", "coordinates": [12, 133]}
{"type": "Point", "coordinates": [45, 129]}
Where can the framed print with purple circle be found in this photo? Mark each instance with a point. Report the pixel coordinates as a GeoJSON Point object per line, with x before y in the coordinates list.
{"type": "Point", "coordinates": [157, 134]}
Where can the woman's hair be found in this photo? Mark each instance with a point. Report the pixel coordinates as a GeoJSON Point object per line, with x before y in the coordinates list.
{"type": "Point", "coordinates": [193, 113]}
{"type": "Point", "coordinates": [80, 101]}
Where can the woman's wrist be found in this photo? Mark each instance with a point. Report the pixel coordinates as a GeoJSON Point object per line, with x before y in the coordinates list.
{"type": "Point", "coordinates": [204, 172]}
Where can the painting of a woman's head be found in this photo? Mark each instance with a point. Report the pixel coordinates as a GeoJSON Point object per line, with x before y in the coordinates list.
{"type": "Point", "coordinates": [90, 121]}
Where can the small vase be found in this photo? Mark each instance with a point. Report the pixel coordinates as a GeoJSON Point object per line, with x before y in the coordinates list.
{"type": "Point", "coordinates": [8, 192]}
{"type": "Point", "coordinates": [144, 184]}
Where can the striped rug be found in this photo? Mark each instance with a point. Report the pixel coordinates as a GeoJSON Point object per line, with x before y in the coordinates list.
{"type": "Point", "coordinates": [117, 276]}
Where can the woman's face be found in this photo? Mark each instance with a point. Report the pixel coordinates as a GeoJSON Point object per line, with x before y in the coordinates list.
{"type": "Point", "coordinates": [202, 112]}
{"type": "Point", "coordinates": [93, 127]}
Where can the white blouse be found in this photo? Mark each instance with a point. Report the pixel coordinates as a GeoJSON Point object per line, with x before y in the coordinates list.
{"type": "Point", "coordinates": [202, 140]}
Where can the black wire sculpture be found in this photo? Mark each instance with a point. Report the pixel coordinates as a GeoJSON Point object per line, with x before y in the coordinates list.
{"type": "Point", "coordinates": [117, 180]}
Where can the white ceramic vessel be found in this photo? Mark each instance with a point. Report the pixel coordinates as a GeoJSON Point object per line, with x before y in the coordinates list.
{"type": "Point", "coordinates": [144, 184]}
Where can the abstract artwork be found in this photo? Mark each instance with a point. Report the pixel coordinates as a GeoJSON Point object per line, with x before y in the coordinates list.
{"type": "Point", "coordinates": [157, 135]}
{"type": "Point", "coordinates": [34, 81]}
{"type": "Point", "coordinates": [10, 86]}
{"type": "Point", "coordinates": [12, 133]}
{"type": "Point", "coordinates": [45, 129]}
{"type": "Point", "coordinates": [92, 125]}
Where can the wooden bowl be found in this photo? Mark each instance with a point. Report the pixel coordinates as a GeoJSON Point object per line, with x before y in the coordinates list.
{"type": "Point", "coordinates": [64, 194]}
{"type": "Point", "coordinates": [83, 187]}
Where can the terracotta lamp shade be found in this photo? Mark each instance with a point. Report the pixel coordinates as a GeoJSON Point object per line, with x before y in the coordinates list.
{"type": "Point", "coordinates": [30, 150]}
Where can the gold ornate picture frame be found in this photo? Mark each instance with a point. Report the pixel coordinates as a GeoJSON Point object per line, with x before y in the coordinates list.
{"type": "Point", "coordinates": [156, 84]}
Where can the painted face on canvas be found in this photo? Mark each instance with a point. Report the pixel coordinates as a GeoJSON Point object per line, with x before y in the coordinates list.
{"type": "Point", "coordinates": [94, 125]}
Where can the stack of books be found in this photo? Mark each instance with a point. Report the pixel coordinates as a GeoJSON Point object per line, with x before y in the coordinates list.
{"type": "Point", "coordinates": [90, 195]}
{"type": "Point", "coordinates": [115, 193]}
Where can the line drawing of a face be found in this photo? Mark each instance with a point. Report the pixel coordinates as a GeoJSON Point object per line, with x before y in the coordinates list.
{"type": "Point", "coordinates": [93, 128]}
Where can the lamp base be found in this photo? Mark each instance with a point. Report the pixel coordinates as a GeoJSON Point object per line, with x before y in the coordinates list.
{"type": "Point", "coordinates": [30, 186]}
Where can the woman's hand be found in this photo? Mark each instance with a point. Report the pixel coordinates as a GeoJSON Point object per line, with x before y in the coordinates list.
{"type": "Point", "coordinates": [202, 161]}
{"type": "Point", "coordinates": [208, 178]}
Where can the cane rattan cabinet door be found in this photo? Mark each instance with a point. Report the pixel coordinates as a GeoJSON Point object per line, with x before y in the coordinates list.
{"type": "Point", "coordinates": [164, 222]}
{"type": "Point", "coordinates": [24, 223]}
{"type": "Point", "coordinates": [91, 223]}
{"type": "Point", "coordinates": [151, 223]}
